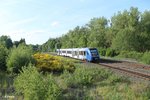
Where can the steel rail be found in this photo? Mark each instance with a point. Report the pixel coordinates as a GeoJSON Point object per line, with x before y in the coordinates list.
{"type": "Point", "coordinates": [135, 73]}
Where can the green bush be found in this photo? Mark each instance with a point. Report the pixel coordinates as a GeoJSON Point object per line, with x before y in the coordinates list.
{"type": "Point", "coordinates": [35, 86]}
{"type": "Point", "coordinates": [3, 56]}
{"type": "Point", "coordinates": [114, 78]}
{"type": "Point", "coordinates": [111, 52]}
{"type": "Point", "coordinates": [18, 57]}
{"type": "Point", "coordinates": [131, 54]}
{"type": "Point", "coordinates": [51, 63]}
{"type": "Point", "coordinates": [146, 57]}
{"type": "Point", "coordinates": [79, 78]}
{"type": "Point", "coordinates": [102, 51]}
{"type": "Point", "coordinates": [84, 76]}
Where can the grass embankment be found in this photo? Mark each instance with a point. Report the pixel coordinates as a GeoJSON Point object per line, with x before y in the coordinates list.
{"type": "Point", "coordinates": [94, 83]}
{"type": "Point", "coordinates": [83, 83]}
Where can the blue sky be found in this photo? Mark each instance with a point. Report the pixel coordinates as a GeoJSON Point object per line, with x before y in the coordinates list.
{"type": "Point", "coordinates": [39, 20]}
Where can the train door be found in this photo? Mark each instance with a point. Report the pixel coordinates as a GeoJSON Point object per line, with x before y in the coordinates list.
{"type": "Point", "coordinates": [87, 54]}
{"type": "Point", "coordinates": [78, 54]}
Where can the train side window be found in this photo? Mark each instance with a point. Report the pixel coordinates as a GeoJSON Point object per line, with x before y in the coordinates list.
{"type": "Point", "coordinates": [63, 51]}
{"type": "Point", "coordinates": [75, 52]}
{"type": "Point", "coordinates": [80, 52]}
{"type": "Point", "coordinates": [69, 52]}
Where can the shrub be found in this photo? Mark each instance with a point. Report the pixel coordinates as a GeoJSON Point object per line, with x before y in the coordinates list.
{"type": "Point", "coordinates": [50, 63]}
{"type": "Point", "coordinates": [3, 56]}
{"type": "Point", "coordinates": [102, 51]}
{"type": "Point", "coordinates": [77, 79]}
{"type": "Point", "coordinates": [84, 76]}
{"type": "Point", "coordinates": [146, 57]}
{"type": "Point", "coordinates": [35, 86]}
{"type": "Point", "coordinates": [18, 57]}
{"type": "Point", "coordinates": [131, 54]}
{"type": "Point", "coordinates": [114, 78]}
{"type": "Point", "coordinates": [111, 52]}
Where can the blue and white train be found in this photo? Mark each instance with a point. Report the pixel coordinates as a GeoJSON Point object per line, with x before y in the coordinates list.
{"type": "Point", "coordinates": [88, 54]}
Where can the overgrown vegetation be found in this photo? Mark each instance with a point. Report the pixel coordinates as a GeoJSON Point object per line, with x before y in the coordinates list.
{"type": "Point", "coordinates": [19, 56]}
{"type": "Point", "coordinates": [35, 86]}
{"type": "Point", "coordinates": [50, 63]}
{"type": "Point", "coordinates": [146, 57]}
{"type": "Point", "coordinates": [87, 83]}
{"type": "Point", "coordinates": [131, 54]}
{"type": "Point", "coordinates": [3, 57]}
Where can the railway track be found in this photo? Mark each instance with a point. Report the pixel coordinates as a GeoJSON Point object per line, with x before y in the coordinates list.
{"type": "Point", "coordinates": [130, 72]}
{"type": "Point", "coordinates": [130, 68]}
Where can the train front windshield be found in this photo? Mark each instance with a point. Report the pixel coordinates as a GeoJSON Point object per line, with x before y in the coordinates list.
{"type": "Point", "coordinates": [94, 53]}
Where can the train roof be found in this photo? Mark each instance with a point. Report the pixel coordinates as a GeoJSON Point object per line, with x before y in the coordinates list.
{"type": "Point", "coordinates": [73, 49]}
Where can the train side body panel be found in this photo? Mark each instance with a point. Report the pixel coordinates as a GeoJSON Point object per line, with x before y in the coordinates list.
{"type": "Point", "coordinates": [89, 54]}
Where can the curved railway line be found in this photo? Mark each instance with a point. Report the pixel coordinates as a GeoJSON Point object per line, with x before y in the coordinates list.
{"type": "Point", "coordinates": [133, 69]}
{"type": "Point", "coordinates": [130, 68]}
{"type": "Point", "coordinates": [131, 72]}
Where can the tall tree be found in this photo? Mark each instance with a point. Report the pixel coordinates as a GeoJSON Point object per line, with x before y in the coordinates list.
{"type": "Point", "coordinates": [98, 27]}
{"type": "Point", "coordinates": [126, 26]}
{"type": "Point", "coordinates": [145, 31]}
{"type": "Point", "coordinates": [6, 41]}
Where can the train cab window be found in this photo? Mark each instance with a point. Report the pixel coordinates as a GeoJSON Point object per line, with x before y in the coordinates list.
{"type": "Point", "coordinates": [94, 52]}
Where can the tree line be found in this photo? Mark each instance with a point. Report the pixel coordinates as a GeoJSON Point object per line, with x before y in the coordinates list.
{"type": "Point", "coordinates": [127, 30]}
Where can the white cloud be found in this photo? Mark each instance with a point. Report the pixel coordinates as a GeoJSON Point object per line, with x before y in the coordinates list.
{"type": "Point", "coordinates": [55, 24]}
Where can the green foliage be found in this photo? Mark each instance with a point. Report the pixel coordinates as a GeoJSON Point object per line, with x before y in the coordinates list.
{"type": "Point", "coordinates": [78, 78]}
{"type": "Point", "coordinates": [84, 76]}
{"type": "Point", "coordinates": [34, 86]}
{"type": "Point", "coordinates": [51, 45]}
{"type": "Point", "coordinates": [98, 28]}
{"type": "Point", "coordinates": [131, 54]}
{"type": "Point", "coordinates": [78, 37]}
{"type": "Point", "coordinates": [18, 57]}
{"type": "Point", "coordinates": [3, 56]}
{"type": "Point", "coordinates": [146, 57]}
{"type": "Point", "coordinates": [6, 41]}
{"type": "Point", "coordinates": [102, 51]}
{"type": "Point", "coordinates": [103, 84]}
{"type": "Point", "coordinates": [111, 52]}
{"type": "Point", "coordinates": [126, 39]}
{"type": "Point", "coordinates": [113, 79]}
{"type": "Point", "coordinates": [21, 41]}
